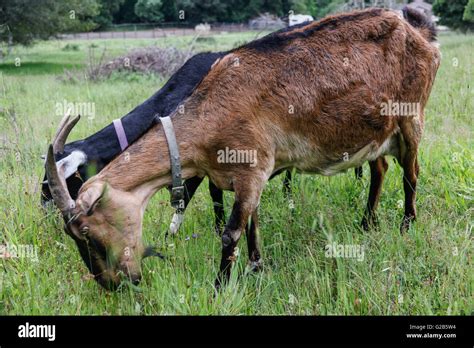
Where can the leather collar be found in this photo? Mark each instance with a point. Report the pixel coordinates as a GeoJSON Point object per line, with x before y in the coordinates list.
{"type": "Point", "coordinates": [177, 189]}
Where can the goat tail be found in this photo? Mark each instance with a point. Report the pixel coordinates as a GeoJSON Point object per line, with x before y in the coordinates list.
{"type": "Point", "coordinates": [421, 22]}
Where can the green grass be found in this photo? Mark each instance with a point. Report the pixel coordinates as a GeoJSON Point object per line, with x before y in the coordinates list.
{"type": "Point", "coordinates": [428, 270]}
{"type": "Point", "coordinates": [49, 56]}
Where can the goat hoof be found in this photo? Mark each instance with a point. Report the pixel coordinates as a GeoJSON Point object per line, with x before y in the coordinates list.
{"type": "Point", "coordinates": [365, 224]}
{"type": "Point", "coordinates": [406, 223]}
{"type": "Point", "coordinates": [255, 266]}
{"type": "Point", "coordinates": [369, 223]}
{"type": "Point", "coordinates": [217, 286]}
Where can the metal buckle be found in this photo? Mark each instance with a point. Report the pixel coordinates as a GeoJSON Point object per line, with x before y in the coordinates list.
{"type": "Point", "coordinates": [177, 197]}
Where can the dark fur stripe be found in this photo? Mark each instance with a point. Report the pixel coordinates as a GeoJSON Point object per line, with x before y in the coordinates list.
{"type": "Point", "coordinates": [282, 37]}
{"type": "Point", "coordinates": [420, 21]}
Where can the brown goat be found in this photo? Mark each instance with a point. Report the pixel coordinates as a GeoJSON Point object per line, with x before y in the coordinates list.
{"type": "Point", "coordinates": [309, 97]}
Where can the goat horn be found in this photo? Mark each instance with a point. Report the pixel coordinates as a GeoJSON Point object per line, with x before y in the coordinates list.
{"type": "Point", "coordinates": [65, 127]}
{"type": "Point", "coordinates": [57, 184]}
{"type": "Point", "coordinates": [62, 123]}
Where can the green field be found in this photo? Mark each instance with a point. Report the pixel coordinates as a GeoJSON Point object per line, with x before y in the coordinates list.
{"type": "Point", "coordinates": [428, 270]}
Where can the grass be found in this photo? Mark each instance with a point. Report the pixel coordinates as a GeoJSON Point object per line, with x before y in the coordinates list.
{"type": "Point", "coordinates": [428, 270]}
{"type": "Point", "coordinates": [57, 53]}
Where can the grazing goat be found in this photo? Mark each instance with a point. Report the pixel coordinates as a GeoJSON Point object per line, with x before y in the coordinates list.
{"type": "Point", "coordinates": [310, 97]}
{"type": "Point", "coordinates": [84, 158]}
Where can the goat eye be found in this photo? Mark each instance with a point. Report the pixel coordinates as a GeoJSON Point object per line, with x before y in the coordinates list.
{"type": "Point", "coordinates": [85, 230]}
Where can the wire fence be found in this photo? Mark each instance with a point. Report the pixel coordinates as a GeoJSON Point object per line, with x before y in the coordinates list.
{"type": "Point", "coordinates": [135, 31]}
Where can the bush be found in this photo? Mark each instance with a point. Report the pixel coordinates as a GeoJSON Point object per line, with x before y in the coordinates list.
{"type": "Point", "coordinates": [149, 60]}
{"type": "Point", "coordinates": [71, 47]}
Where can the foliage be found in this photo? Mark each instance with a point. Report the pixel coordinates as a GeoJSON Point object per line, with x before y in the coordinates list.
{"type": "Point", "coordinates": [304, 7]}
{"type": "Point", "coordinates": [108, 9]}
{"type": "Point", "coordinates": [468, 15]}
{"type": "Point", "coordinates": [149, 10]}
{"type": "Point", "coordinates": [170, 11]}
{"type": "Point", "coordinates": [30, 19]}
{"type": "Point", "coordinates": [199, 11]}
{"type": "Point", "coordinates": [24, 21]}
{"type": "Point", "coordinates": [162, 62]}
{"type": "Point", "coordinates": [456, 14]}
{"type": "Point", "coordinates": [126, 13]}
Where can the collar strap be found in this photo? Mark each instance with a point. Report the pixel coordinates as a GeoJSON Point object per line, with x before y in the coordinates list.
{"type": "Point", "coordinates": [122, 137]}
{"type": "Point", "coordinates": [177, 189]}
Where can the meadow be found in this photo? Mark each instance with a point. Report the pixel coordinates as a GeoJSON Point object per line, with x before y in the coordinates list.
{"type": "Point", "coordinates": [428, 270]}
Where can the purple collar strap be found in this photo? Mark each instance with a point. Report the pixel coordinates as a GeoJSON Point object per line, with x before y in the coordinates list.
{"type": "Point", "coordinates": [122, 137]}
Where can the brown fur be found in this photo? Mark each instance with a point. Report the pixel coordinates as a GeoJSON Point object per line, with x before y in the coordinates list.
{"type": "Point", "coordinates": [334, 73]}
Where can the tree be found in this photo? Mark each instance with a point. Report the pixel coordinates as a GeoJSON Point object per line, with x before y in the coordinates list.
{"type": "Point", "coordinates": [170, 10]}
{"type": "Point", "coordinates": [204, 10]}
{"type": "Point", "coordinates": [108, 9]}
{"type": "Point", "coordinates": [126, 13]}
{"type": "Point", "coordinates": [303, 7]}
{"type": "Point", "coordinates": [24, 21]}
{"type": "Point", "coordinates": [451, 12]}
{"type": "Point", "coordinates": [149, 10]}
{"type": "Point", "coordinates": [211, 10]}
{"type": "Point", "coordinates": [316, 8]}
{"type": "Point", "coordinates": [468, 15]}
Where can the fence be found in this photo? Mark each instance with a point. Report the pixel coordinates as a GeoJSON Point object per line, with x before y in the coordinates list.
{"type": "Point", "coordinates": [134, 31]}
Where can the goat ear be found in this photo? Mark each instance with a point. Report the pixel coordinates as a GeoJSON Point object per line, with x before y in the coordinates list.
{"type": "Point", "coordinates": [92, 196]}
{"type": "Point", "coordinates": [72, 162]}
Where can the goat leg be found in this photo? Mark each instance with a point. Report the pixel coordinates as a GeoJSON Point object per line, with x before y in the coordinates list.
{"type": "Point", "coordinates": [411, 132]}
{"type": "Point", "coordinates": [217, 196]}
{"type": "Point", "coordinates": [378, 168]}
{"type": "Point", "coordinates": [410, 175]}
{"type": "Point", "coordinates": [253, 245]}
{"type": "Point", "coordinates": [247, 197]}
{"type": "Point", "coordinates": [287, 184]}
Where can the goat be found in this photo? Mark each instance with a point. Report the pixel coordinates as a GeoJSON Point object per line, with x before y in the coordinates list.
{"type": "Point", "coordinates": [84, 158]}
{"type": "Point", "coordinates": [335, 74]}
